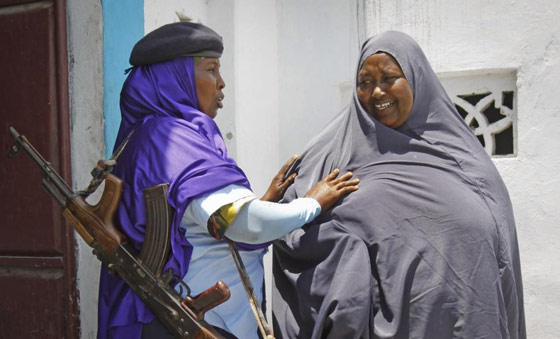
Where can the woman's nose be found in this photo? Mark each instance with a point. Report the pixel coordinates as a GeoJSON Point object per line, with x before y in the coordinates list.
{"type": "Point", "coordinates": [378, 92]}
{"type": "Point", "coordinates": [221, 82]}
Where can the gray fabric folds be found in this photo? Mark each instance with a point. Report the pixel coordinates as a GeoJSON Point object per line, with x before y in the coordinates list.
{"type": "Point", "coordinates": [426, 248]}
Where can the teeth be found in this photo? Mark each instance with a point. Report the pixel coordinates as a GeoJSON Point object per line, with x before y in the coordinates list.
{"type": "Point", "coordinates": [383, 106]}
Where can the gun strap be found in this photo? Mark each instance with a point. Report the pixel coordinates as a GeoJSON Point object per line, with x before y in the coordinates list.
{"type": "Point", "coordinates": [264, 328]}
{"type": "Point", "coordinates": [103, 168]}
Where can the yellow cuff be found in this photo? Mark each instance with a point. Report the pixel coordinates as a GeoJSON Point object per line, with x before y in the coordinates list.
{"type": "Point", "coordinates": [219, 222]}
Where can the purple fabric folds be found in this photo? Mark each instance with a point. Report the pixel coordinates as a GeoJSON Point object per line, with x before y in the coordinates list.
{"type": "Point", "coordinates": [173, 142]}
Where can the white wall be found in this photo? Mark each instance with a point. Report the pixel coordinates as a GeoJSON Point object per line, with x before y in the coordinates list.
{"type": "Point", "coordinates": [318, 47]}
{"type": "Point", "coordinates": [85, 49]}
{"type": "Point", "coordinates": [256, 89]}
{"type": "Point", "coordinates": [159, 13]}
{"type": "Point", "coordinates": [524, 35]}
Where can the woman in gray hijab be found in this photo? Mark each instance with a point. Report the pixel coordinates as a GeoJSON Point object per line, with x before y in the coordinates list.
{"type": "Point", "coordinates": [427, 247]}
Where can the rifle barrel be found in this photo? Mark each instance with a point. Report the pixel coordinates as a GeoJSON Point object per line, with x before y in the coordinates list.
{"type": "Point", "coordinates": [45, 166]}
{"type": "Point", "coordinates": [47, 184]}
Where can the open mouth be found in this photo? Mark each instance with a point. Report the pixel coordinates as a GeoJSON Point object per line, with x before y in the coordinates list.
{"type": "Point", "coordinates": [219, 102]}
{"type": "Point", "coordinates": [384, 106]}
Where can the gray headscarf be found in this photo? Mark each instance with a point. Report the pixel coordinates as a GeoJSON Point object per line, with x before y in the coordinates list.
{"type": "Point", "coordinates": [426, 248]}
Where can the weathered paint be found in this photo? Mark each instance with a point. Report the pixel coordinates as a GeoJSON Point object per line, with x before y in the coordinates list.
{"type": "Point", "coordinates": [96, 76]}
{"type": "Point", "coordinates": [85, 54]}
{"type": "Point", "coordinates": [123, 26]}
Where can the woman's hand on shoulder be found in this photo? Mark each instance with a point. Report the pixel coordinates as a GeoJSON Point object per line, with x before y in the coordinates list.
{"type": "Point", "coordinates": [280, 182]}
{"type": "Point", "coordinates": [329, 190]}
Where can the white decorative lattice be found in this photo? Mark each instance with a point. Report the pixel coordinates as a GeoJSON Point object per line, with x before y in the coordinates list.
{"type": "Point", "coordinates": [485, 99]}
{"type": "Point", "coordinates": [487, 102]}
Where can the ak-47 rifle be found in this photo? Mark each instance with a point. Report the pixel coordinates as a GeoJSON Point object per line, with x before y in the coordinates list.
{"type": "Point", "coordinates": [183, 317]}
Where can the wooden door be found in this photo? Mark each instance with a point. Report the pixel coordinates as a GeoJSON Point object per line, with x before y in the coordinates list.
{"type": "Point", "coordinates": [37, 271]}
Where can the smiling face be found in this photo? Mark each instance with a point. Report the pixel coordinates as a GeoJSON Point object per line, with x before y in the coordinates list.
{"type": "Point", "coordinates": [384, 91]}
{"type": "Point", "coordinates": [209, 85]}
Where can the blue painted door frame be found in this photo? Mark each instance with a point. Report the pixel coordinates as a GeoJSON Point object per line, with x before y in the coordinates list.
{"type": "Point", "coordinates": [123, 25]}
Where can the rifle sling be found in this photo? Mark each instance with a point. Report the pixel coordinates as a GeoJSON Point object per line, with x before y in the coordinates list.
{"type": "Point", "coordinates": [264, 328]}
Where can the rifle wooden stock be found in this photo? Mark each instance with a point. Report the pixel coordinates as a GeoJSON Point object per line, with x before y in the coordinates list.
{"type": "Point", "coordinates": [91, 222]}
{"type": "Point", "coordinates": [97, 220]}
{"type": "Point", "coordinates": [95, 225]}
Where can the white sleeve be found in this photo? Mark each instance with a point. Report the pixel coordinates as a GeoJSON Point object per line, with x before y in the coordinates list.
{"type": "Point", "coordinates": [258, 221]}
{"type": "Point", "coordinates": [200, 209]}
{"type": "Point", "coordinates": [262, 221]}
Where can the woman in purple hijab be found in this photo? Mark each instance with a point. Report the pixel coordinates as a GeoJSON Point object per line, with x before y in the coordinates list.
{"type": "Point", "coordinates": [168, 103]}
{"type": "Point", "coordinates": [427, 247]}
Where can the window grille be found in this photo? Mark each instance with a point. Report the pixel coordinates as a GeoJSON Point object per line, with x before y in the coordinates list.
{"type": "Point", "coordinates": [487, 102]}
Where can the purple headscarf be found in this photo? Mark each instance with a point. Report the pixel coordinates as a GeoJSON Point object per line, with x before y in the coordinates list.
{"type": "Point", "coordinates": [173, 142]}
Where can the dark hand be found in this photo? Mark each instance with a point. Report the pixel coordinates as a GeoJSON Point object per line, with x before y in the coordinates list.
{"type": "Point", "coordinates": [280, 183]}
{"type": "Point", "coordinates": [330, 189]}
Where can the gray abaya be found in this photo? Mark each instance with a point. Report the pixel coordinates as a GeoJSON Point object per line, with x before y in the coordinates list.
{"type": "Point", "coordinates": [426, 248]}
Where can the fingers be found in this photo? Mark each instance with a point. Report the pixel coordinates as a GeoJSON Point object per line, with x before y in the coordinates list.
{"type": "Point", "coordinates": [347, 183]}
{"type": "Point", "coordinates": [348, 186]}
{"type": "Point", "coordinates": [345, 177]}
{"type": "Point", "coordinates": [289, 181]}
{"type": "Point", "coordinates": [347, 190]}
{"type": "Point", "coordinates": [284, 169]}
{"type": "Point", "coordinates": [342, 184]}
{"type": "Point", "coordinates": [332, 175]}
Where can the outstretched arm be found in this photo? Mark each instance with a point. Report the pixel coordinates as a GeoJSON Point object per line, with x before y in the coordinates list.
{"type": "Point", "coordinates": [261, 221]}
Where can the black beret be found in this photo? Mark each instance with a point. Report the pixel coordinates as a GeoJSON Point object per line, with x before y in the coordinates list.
{"type": "Point", "coordinates": [174, 40]}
